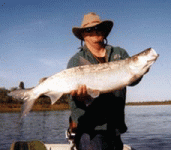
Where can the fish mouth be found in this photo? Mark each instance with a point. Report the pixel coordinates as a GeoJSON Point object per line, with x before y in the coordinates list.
{"type": "Point", "coordinates": [152, 60]}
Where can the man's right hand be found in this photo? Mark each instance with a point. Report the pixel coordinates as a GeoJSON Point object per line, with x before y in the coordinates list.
{"type": "Point", "coordinates": [81, 94]}
{"type": "Point", "coordinates": [82, 91]}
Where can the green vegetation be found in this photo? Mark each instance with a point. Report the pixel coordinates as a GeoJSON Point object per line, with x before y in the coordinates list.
{"type": "Point", "coordinates": [4, 98]}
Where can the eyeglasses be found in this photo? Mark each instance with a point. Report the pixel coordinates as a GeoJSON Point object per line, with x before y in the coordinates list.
{"type": "Point", "coordinates": [91, 29]}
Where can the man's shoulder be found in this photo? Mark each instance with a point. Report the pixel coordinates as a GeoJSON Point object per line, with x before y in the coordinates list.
{"type": "Point", "coordinates": [118, 52]}
{"type": "Point", "coordinates": [74, 60]}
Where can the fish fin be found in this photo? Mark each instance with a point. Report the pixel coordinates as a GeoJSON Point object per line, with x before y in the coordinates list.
{"type": "Point", "coordinates": [28, 104]}
{"type": "Point", "coordinates": [93, 93]}
{"type": "Point", "coordinates": [83, 61]}
{"type": "Point", "coordinates": [54, 96]}
{"type": "Point", "coordinates": [27, 96]}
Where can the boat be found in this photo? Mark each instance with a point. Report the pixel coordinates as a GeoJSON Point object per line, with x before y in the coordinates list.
{"type": "Point", "coordinates": [38, 145]}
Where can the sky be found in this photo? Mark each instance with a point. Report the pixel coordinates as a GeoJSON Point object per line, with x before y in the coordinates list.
{"type": "Point", "coordinates": [36, 39]}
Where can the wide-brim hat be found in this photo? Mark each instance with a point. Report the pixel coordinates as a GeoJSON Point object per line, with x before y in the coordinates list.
{"type": "Point", "coordinates": [92, 20]}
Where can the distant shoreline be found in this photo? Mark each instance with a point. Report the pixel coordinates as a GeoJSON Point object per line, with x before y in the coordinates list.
{"type": "Point", "coordinates": [148, 103]}
{"type": "Point", "coordinates": [64, 106]}
{"type": "Point", "coordinates": [17, 107]}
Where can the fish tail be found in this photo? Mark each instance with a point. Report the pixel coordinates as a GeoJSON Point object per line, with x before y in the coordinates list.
{"type": "Point", "coordinates": [17, 94]}
{"type": "Point", "coordinates": [27, 96]}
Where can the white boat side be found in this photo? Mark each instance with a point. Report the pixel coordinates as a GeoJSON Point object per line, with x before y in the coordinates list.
{"type": "Point", "coordinates": [69, 147]}
{"type": "Point", "coordinates": [59, 147]}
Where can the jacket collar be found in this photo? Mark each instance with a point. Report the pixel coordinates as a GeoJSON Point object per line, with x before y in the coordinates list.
{"type": "Point", "coordinates": [89, 54]}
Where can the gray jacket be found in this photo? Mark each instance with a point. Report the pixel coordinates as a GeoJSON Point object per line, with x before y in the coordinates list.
{"type": "Point", "coordinates": [112, 105]}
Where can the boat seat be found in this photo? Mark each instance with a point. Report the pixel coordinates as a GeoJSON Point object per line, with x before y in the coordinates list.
{"type": "Point", "coordinates": [28, 145]}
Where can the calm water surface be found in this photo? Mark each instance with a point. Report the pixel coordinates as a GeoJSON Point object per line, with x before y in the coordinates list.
{"type": "Point", "coordinates": [148, 127]}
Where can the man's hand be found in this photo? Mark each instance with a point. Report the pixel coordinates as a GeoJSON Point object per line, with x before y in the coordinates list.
{"type": "Point", "coordinates": [81, 94]}
{"type": "Point", "coordinates": [82, 91]}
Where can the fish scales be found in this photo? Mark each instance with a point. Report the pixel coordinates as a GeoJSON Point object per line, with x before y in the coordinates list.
{"type": "Point", "coordinates": [94, 76]}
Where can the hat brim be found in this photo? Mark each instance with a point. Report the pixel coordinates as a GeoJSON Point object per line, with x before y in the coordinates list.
{"type": "Point", "coordinates": [77, 31]}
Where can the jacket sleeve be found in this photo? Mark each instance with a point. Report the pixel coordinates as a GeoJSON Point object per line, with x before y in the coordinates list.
{"type": "Point", "coordinates": [76, 111]}
{"type": "Point", "coordinates": [136, 82]}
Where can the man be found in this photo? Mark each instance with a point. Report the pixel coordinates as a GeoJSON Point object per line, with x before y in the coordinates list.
{"type": "Point", "coordinates": [98, 122]}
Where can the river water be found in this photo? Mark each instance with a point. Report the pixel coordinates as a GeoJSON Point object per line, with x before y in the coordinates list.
{"type": "Point", "coordinates": [148, 127]}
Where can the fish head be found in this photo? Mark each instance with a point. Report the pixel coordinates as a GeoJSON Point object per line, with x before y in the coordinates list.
{"type": "Point", "coordinates": [141, 62]}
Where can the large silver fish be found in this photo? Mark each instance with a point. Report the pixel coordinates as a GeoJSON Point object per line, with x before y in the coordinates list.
{"type": "Point", "coordinates": [98, 78]}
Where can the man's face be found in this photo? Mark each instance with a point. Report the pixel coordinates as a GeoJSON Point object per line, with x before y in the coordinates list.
{"type": "Point", "coordinates": [93, 35]}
